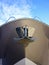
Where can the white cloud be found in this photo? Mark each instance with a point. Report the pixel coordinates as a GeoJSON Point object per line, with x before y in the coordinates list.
{"type": "Point", "coordinates": [14, 10]}
{"type": "Point", "coordinates": [1, 22]}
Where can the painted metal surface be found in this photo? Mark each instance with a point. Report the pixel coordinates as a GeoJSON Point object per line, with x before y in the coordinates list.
{"type": "Point", "coordinates": [14, 51]}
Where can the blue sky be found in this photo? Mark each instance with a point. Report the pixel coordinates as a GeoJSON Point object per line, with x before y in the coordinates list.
{"type": "Point", "coordinates": [38, 9]}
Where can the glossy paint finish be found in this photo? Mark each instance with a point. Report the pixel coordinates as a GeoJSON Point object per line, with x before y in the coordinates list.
{"type": "Point", "coordinates": [14, 51]}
